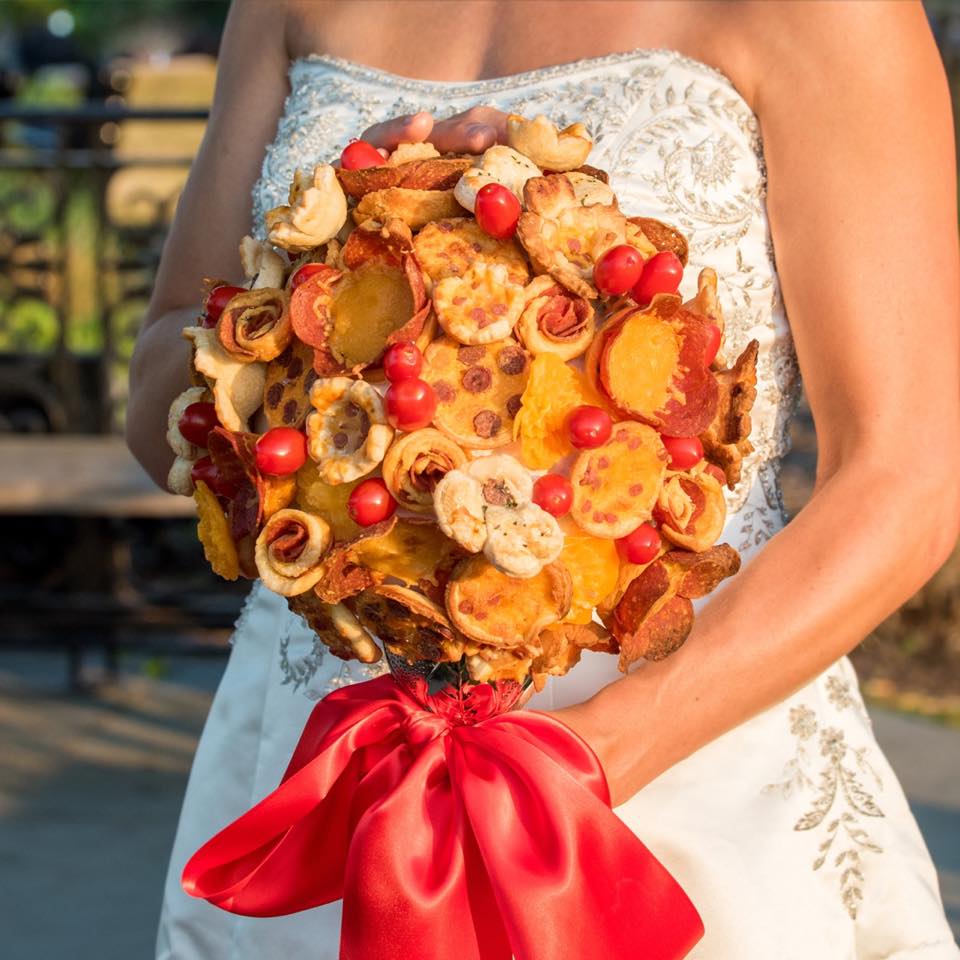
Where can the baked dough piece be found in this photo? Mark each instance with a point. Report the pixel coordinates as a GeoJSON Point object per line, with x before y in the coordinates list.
{"type": "Point", "coordinates": [478, 389]}
{"type": "Point", "coordinates": [448, 248]}
{"type": "Point", "coordinates": [348, 433]}
{"type": "Point", "coordinates": [414, 465]}
{"type": "Point", "coordinates": [290, 550]}
{"type": "Point", "coordinates": [480, 306]}
{"type": "Point", "coordinates": [336, 627]}
{"type": "Point", "coordinates": [554, 320]}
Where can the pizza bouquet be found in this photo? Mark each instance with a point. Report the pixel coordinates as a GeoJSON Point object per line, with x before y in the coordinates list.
{"type": "Point", "coordinates": [461, 418]}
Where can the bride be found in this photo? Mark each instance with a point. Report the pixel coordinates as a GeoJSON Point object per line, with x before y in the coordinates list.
{"type": "Point", "coordinates": [815, 134]}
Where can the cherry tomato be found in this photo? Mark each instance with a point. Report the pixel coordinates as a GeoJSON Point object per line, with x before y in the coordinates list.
{"type": "Point", "coordinates": [497, 211]}
{"type": "Point", "coordinates": [206, 470]}
{"type": "Point", "coordinates": [402, 361]}
{"type": "Point", "coordinates": [553, 493]}
{"type": "Point", "coordinates": [358, 155]}
{"type": "Point", "coordinates": [713, 345]}
{"type": "Point", "coordinates": [684, 451]}
{"type": "Point", "coordinates": [216, 300]}
{"type": "Point", "coordinates": [589, 427]}
{"type": "Point", "coordinates": [281, 451]}
{"type": "Point", "coordinates": [196, 422]}
{"type": "Point", "coordinates": [410, 404]}
{"type": "Point", "coordinates": [715, 471]}
{"type": "Point", "coordinates": [370, 502]}
{"type": "Point", "coordinates": [618, 270]}
{"type": "Point", "coordinates": [305, 272]}
{"type": "Point", "coordinates": [641, 545]}
{"type": "Point", "coordinates": [662, 273]}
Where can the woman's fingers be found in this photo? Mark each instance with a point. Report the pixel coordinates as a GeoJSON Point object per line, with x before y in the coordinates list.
{"type": "Point", "coordinates": [413, 128]}
{"type": "Point", "coordinates": [470, 132]}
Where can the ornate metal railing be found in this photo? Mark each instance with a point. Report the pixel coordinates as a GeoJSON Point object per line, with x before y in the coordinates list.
{"type": "Point", "coordinates": [82, 223]}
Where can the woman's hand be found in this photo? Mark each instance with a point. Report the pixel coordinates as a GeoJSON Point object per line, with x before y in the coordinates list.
{"type": "Point", "coordinates": [469, 132]}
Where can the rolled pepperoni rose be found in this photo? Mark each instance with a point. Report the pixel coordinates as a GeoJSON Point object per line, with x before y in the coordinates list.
{"type": "Point", "coordinates": [555, 320]}
{"type": "Point", "coordinates": [290, 551]}
{"type": "Point", "coordinates": [255, 324]}
{"type": "Point", "coordinates": [416, 463]}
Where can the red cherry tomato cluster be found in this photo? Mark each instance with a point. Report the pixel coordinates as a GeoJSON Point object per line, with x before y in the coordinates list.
{"type": "Point", "coordinates": [553, 493]}
{"type": "Point", "coordinates": [618, 270]}
{"type": "Point", "coordinates": [410, 402]}
{"type": "Point", "coordinates": [402, 361]}
{"type": "Point", "coordinates": [684, 451]}
{"type": "Point", "coordinates": [589, 427]}
{"type": "Point", "coordinates": [497, 211]}
{"type": "Point", "coordinates": [216, 300]}
{"type": "Point", "coordinates": [640, 546]}
{"type": "Point", "coordinates": [281, 451]}
{"type": "Point", "coordinates": [206, 470]}
{"type": "Point", "coordinates": [370, 502]}
{"type": "Point", "coordinates": [196, 422]}
{"type": "Point", "coordinates": [358, 155]}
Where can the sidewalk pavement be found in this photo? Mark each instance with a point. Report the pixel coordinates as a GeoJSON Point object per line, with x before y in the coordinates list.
{"type": "Point", "coordinates": [90, 790]}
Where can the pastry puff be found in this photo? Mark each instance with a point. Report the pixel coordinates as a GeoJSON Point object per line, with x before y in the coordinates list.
{"type": "Point", "coordinates": [348, 433]}
{"type": "Point", "coordinates": [415, 464]}
{"type": "Point", "coordinates": [554, 320]}
{"type": "Point", "coordinates": [290, 551]}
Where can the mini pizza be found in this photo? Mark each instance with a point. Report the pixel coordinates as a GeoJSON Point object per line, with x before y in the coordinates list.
{"type": "Point", "coordinates": [478, 389]}
{"type": "Point", "coordinates": [448, 248]}
{"type": "Point", "coordinates": [498, 164]}
{"type": "Point", "coordinates": [415, 463]}
{"type": "Point", "coordinates": [237, 386]}
{"type": "Point", "coordinates": [348, 433]}
{"type": "Point", "coordinates": [290, 550]}
{"type": "Point", "coordinates": [691, 509]}
{"type": "Point", "coordinates": [554, 320]}
{"type": "Point", "coordinates": [337, 628]}
{"type": "Point", "coordinates": [493, 608]}
{"type": "Point", "coordinates": [549, 148]}
{"type": "Point", "coordinates": [563, 238]}
{"type": "Point", "coordinates": [673, 389]}
{"type": "Point", "coordinates": [255, 325]}
{"type": "Point", "coordinates": [408, 624]}
{"type": "Point", "coordinates": [316, 211]}
{"type": "Point", "coordinates": [286, 391]}
{"type": "Point", "coordinates": [480, 306]}
{"type": "Point", "coordinates": [351, 317]}
{"type": "Point", "coordinates": [615, 486]}
{"type": "Point", "coordinates": [416, 208]}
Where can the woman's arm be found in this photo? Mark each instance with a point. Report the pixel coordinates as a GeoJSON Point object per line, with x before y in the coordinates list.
{"type": "Point", "coordinates": [212, 215]}
{"type": "Point", "coordinates": [857, 128]}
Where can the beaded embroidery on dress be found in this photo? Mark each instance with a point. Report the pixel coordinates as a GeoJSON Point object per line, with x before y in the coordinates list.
{"type": "Point", "coordinates": [790, 833]}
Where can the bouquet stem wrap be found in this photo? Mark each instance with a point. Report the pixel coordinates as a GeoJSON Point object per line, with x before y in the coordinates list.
{"type": "Point", "coordinates": [447, 842]}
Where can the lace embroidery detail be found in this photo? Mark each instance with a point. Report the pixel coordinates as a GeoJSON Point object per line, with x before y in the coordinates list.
{"type": "Point", "coordinates": [246, 609]}
{"type": "Point", "coordinates": [298, 672]}
{"type": "Point", "coordinates": [841, 804]}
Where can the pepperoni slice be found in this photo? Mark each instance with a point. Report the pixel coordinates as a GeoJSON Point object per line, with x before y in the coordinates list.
{"type": "Point", "coordinates": [487, 424]}
{"type": "Point", "coordinates": [512, 360]}
{"type": "Point", "coordinates": [476, 379]}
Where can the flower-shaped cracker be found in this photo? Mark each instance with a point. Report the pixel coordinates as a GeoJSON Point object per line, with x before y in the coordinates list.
{"type": "Point", "coordinates": [315, 214]}
{"type": "Point", "coordinates": [347, 433]}
{"type": "Point", "coordinates": [487, 505]}
{"type": "Point", "coordinates": [498, 164]}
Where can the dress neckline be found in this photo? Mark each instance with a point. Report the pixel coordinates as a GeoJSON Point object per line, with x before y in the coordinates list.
{"type": "Point", "coordinates": [508, 81]}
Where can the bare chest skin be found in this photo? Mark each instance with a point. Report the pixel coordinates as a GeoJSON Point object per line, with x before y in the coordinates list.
{"type": "Point", "coordinates": [477, 39]}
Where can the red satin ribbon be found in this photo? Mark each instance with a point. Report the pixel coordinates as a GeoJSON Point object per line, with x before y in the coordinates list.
{"type": "Point", "coordinates": [447, 842]}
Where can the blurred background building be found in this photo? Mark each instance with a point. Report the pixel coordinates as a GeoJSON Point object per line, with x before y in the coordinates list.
{"type": "Point", "coordinates": [113, 628]}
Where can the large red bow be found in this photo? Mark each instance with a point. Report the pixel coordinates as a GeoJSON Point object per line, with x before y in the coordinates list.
{"type": "Point", "coordinates": [447, 842]}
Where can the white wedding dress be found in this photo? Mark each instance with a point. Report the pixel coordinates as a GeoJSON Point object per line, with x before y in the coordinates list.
{"type": "Point", "coordinates": [791, 833]}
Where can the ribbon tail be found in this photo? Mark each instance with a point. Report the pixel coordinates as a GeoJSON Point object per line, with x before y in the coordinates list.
{"type": "Point", "coordinates": [563, 867]}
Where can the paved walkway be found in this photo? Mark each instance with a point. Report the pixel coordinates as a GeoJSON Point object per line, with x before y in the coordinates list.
{"type": "Point", "coordinates": [90, 790]}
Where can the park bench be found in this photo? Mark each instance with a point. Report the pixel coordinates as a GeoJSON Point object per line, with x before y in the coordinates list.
{"type": "Point", "coordinates": [96, 481]}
